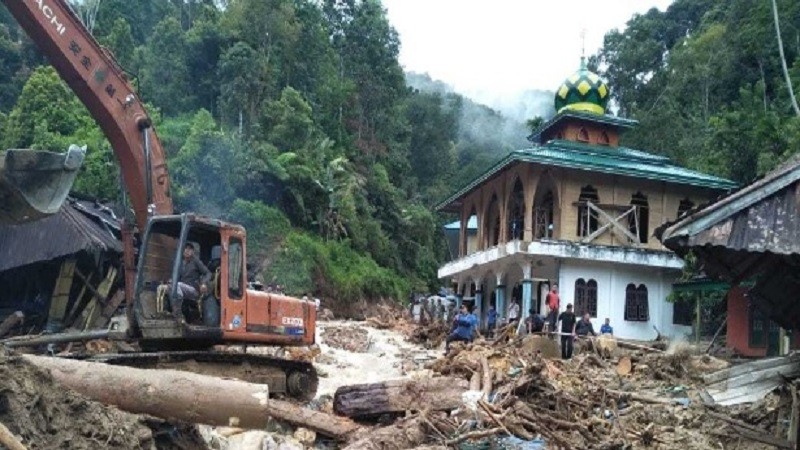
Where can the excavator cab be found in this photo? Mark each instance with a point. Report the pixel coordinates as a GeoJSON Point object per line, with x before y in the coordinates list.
{"type": "Point", "coordinates": [228, 312]}
{"type": "Point", "coordinates": [220, 247]}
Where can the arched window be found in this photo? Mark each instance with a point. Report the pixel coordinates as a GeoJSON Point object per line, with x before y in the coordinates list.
{"type": "Point", "coordinates": [516, 209]}
{"type": "Point", "coordinates": [583, 135]}
{"type": "Point", "coordinates": [587, 218]}
{"type": "Point", "coordinates": [639, 220]}
{"type": "Point", "coordinates": [591, 298]}
{"type": "Point", "coordinates": [636, 304]}
{"type": "Point", "coordinates": [685, 206]}
{"type": "Point", "coordinates": [585, 297]}
{"type": "Point", "coordinates": [492, 223]}
{"type": "Point", "coordinates": [604, 140]}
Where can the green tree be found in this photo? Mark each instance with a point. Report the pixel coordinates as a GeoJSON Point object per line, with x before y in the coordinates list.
{"type": "Point", "coordinates": [164, 73]}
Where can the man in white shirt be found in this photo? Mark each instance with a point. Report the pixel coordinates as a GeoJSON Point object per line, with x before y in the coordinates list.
{"type": "Point", "coordinates": [513, 311]}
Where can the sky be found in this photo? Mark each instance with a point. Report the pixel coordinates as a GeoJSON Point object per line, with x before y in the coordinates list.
{"type": "Point", "coordinates": [497, 49]}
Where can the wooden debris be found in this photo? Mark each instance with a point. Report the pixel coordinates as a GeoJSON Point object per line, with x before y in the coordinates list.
{"type": "Point", "coordinates": [187, 397]}
{"type": "Point", "coordinates": [751, 432]}
{"type": "Point", "coordinates": [397, 396]}
{"type": "Point", "coordinates": [624, 366]}
{"type": "Point", "coordinates": [749, 382]}
{"type": "Point", "coordinates": [632, 346]}
{"type": "Point", "coordinates": [11, 321]}
{"type": "Point", "coordinates": [8, 439]}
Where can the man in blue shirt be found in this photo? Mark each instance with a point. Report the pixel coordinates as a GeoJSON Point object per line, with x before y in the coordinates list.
{"type": "Point", "coordinates": [606, 328]}
{"type": "Point", "coordinates": [491, 319]}
{"type": "Point", "coordinates": [464, 325]}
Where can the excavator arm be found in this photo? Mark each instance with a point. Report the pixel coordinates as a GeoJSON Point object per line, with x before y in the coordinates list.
{"type": "Point", "coordinates": [100, 83]}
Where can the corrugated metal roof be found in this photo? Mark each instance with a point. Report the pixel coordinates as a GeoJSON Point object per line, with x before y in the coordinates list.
{"type": "Point", "coordinates": [603, 159]}
{"type": "Point", "coordinates": [75, 228]}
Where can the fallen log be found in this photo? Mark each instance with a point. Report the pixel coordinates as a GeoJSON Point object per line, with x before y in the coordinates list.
{"type": "Point", "coordinates": [11, 321]}
{"type": "Point", "coordinates": [644, 348]}
{"type": "Point", "coordinates": [8, 439]}
{"type": "Point", "coordinates": [643, 398]}
{"type": "Point", "coordinates": [187, 397]}
{"type": "Point", "coordinates": [397, 396]}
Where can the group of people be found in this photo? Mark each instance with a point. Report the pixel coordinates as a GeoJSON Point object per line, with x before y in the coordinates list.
{"type": "Point", "coordinates": [465, 323]}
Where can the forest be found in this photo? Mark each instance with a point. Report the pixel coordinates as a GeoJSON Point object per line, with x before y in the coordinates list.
{"type": "Point", "coordinates": [295, 119]}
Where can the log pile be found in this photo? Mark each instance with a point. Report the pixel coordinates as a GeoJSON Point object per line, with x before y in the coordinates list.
{"type": "Point", "coordinates": [515, 392]}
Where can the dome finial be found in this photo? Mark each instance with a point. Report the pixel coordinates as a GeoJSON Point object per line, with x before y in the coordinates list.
{"type": "Point", "coordinates": [583, 91]}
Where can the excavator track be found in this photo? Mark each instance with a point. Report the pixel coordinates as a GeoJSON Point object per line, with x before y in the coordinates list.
{"type": "Point", "coordinates": [294, 379]}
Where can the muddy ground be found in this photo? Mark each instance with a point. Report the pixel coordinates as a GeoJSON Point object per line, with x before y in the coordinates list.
{"type": "Point", "coordinates": [44, 415]}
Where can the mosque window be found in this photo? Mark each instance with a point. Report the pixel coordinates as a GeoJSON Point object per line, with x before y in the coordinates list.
{"type": "Point", "coordinates": [604, 140]}
{"type": "Point", "coordinates": [586, 297]}
{"type": "Point", "coordinates": [636, 304]}
{"type": "Point", "coordinates": [583, 135]}
{"type": "Point", "coordinates": [639, 219]}
{"type": "Point", "coordinates": [587, 217]}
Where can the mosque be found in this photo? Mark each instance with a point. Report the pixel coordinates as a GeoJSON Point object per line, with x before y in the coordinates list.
{"type": "Point", "coordinates": [576, 209]}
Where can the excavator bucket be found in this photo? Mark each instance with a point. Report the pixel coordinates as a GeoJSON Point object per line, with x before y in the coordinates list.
{"type": "Point", "coordinates": [34, 183]}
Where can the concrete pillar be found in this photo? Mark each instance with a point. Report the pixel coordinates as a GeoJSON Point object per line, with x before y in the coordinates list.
{"type": "Point", "coordinates": [478, 311]}
{"type": "Point", "coordinates": [527, 290]}
{"type": "Point", "coordinates": [500, 307]}
{"type": "Point", "coordinates": [527, 297]}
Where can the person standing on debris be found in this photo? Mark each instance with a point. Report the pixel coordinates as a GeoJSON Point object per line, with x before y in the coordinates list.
{"type": "Point", "coordinates": [607, 328]}
{"type": "Point", "coordinates": [194, 278]}
{"type": "Point", "coordinates": [513, 311]}
{"type": "Point", "coordinates": [416, 311]}
{"type": "Point", "coordinates": [553, 301]}
{"type": "Point", "coordinates": [491, 319]}
{"type": "Point", "coordinates": [584, 326]}
{"type": "Point", "coordinates": [465, 323]}
{"type": "Point", "coordinates": [567, 319]}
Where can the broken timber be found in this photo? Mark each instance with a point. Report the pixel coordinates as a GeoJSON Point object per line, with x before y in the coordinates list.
{"type": "Point", "coordinates": [11, 321]}
{"type": "Point", "coordinates": [397, 396]}
{"type": "Point", "coordinates": [749, 382]}
{"type": "Point", "coordinates": [187, 397]}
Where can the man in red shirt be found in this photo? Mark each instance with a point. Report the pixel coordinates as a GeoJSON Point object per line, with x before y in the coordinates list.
{"type": "Point", "coordinates": [552, 307]}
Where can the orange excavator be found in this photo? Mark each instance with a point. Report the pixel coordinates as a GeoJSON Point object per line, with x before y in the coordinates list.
{"type": "Point", "coordinates": [231, 313]}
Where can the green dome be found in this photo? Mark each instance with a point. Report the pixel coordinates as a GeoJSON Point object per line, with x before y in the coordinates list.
{"type": "Point", "coordinates": [583, 91]}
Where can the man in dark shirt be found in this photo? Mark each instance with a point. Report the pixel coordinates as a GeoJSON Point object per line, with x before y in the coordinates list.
{"type": "Point", "coordinates": [567, 319]}
{"type": "Point", "coordinates": [534, 322]}
{"type": "Point", "coordinates": [584, 326]}
{"type": "Point", "coordinates": [194, 278]}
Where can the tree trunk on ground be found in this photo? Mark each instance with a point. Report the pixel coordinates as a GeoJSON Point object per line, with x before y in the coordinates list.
{"type": "Point", "coordinates": [187, 397]}
{"type": "Point", "coordinates": [11, 321]}
{"type": "Point", "coordinates": [783, 59]}
{"type": "Point", "coordinates": [397, 396]}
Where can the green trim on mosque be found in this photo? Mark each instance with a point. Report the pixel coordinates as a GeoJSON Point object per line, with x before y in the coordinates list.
{"type": "Point", "coordinates": [599, 159]}
{"type": "Point", "coordinates": [606, 119]}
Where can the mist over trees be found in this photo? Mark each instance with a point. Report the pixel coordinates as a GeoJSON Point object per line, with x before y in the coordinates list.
{"type": "Point", "coordinates": [291, 117]}
{"type": "Point", "coordinates": [294, 118]}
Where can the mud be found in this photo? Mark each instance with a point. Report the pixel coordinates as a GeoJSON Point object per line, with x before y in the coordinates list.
{"type": "Point", "coordinates": [44, 415]}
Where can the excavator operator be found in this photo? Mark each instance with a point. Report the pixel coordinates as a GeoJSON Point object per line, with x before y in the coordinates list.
{"type": "Point", "coordinates": [194, 278]}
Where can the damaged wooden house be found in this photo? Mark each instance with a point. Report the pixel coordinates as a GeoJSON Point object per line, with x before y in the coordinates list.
{"type": "Point", "coordinates": [751, 239]}
{"type": "Point", "coordinates": [63, 271]}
